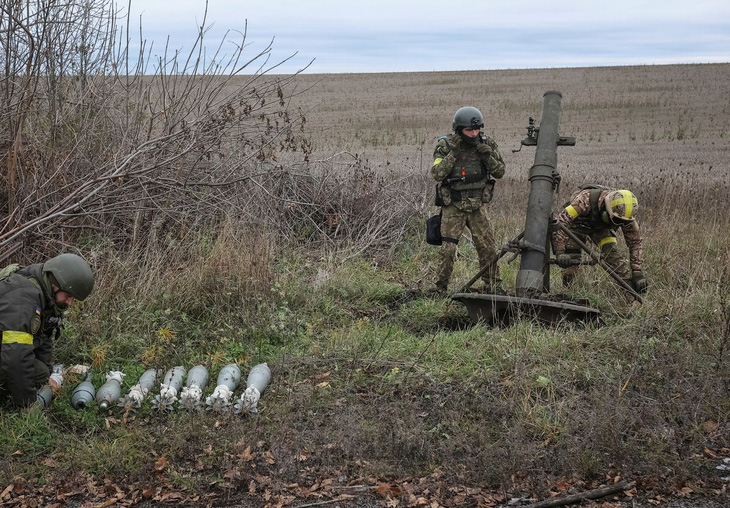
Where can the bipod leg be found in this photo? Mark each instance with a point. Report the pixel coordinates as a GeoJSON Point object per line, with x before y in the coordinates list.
{"type": "Point", "coordinates": [598, 260]}
{"type": "Point", "coordinates": [504, 250]}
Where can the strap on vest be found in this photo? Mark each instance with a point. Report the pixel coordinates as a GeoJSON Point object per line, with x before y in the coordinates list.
{"type": "Point", "coordinates": [593, 200]}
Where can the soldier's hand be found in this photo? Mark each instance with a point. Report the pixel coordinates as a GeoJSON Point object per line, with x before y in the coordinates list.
{"type": "Point", "coordinates": [563, 260]}
{"type": "Point", "coordinates": [639, 282]}
{"type": "Point", "coordinates": [484, 149]}
{"type": "Point", "coordinates": [449, 160]}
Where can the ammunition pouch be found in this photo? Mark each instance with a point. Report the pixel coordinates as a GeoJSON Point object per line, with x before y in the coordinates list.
{"type": "Point", "coordinates": [468, 187]}
{"type": "Point", "coordinates": [433, 230]}
{"type": "Point", "coordinates": [488, 192]}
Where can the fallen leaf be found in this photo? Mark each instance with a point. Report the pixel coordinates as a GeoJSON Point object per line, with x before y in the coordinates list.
{"type": "Point", "coordinates": [710, 426]}
{"type": "Point", "coordinates": [49, 462]}
{"type": "Point", "coordinates": [246, 454]}
{"type": "Point", "coordinates": [685, 492]}
{"type": "Point", "coordinates": [387, 490]}
{"type": "Point", "coordinates": [232, 474]}
{"type": "Point", "coordinates": [711, 454]}
{"type": "Point", "coordinates": [6, 493]}
{"type": "Point", "coordinates": [161, 464]}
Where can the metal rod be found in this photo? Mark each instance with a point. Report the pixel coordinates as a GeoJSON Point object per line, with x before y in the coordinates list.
{"type": "Point", "coordinates": [486, 267]}
{"type": "Point", "coordinates": [598, 260]}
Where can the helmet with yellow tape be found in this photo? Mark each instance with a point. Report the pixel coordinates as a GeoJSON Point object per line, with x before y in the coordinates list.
{"type": "Point", "coordinates": [621, 206]}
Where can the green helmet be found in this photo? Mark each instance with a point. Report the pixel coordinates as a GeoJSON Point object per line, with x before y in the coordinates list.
{"type": "Point", "coordinates": [72, 274]}
{"type": "Point", "coordinates": [467, 117]}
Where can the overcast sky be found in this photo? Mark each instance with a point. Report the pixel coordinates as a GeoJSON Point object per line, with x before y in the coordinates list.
{"type": "Point", "coordinates": [429, 35]}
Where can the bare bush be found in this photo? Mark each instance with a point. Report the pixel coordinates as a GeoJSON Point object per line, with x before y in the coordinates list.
{"type": "Point", "coordinates": [341, 203]}
{"type": "Point", "coordinates": [95, 145]}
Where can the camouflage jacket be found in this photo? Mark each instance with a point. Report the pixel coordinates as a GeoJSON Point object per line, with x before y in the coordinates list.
{"type": "Point", "coordinates": [28, 318]}
{"type": "Point", "coordinates": [580, 216]}
{"type": "Point", "coordinates": [454, 158]}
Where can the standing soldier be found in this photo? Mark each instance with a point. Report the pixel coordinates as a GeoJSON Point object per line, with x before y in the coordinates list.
{"type": "Point", "coordinates": [465, 166]}
{"type": "Point", "coordinates": [32, 302]}
{"type": "Point", "coordinates": [596, 213]}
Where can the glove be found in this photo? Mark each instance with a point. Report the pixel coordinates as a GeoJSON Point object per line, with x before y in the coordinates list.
{"type": "Point", "coordinates": [484, 149]}
{"type": "Point", "coordinates": [563, 260]}
{"type": "Point", "coordinates": [639, 282]}
{"type": "Point", "coordinates": [449, 161]}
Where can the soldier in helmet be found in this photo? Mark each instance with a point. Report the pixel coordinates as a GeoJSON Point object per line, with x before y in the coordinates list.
{"type": "Point", "coordinates": [465, 165]}
{"type": "Point", "coordinates": [32, 302]}
{"type": "Point", "coordinates": [595, 213]}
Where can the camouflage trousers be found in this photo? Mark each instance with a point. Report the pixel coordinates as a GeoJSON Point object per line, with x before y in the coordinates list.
{"type": "Point", "coordinates": [453, 222]}
{"type": "Point", "coordinates": [606, 241]}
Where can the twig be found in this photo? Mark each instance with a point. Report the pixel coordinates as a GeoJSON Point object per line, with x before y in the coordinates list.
{"type": "Point", "coordinates": [320, 503]}
{"type": "Point", "coordinates": [590, 494]}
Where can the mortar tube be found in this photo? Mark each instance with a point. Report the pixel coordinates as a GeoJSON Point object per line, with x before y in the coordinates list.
{"type": "Point", "coordinates": [543, 178]}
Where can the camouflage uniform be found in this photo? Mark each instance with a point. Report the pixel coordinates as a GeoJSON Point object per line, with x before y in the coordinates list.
{"type": "Point", "coordinates": [457, 157]}
{"type": "Point", "coordinates": [586, 218]}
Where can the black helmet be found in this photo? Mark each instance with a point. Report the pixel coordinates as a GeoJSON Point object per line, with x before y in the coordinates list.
{"type": "Point", "coordinates": [72, 274]}
{"type": "Point", "coordinates": [467, 117]}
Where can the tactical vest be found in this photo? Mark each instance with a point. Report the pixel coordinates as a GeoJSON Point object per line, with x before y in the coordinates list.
{"type": "Point", "coordinates": [469, 168]}
{"type": "Point", "coordinates": [594, 221]}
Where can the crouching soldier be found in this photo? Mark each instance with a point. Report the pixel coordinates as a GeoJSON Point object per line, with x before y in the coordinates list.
{"type": "Point", "coordinates": [465, 166]}
{"type": "Point", "coordinates": [595, 213]}
{"type": "Point", "coordinates": [32, 302]}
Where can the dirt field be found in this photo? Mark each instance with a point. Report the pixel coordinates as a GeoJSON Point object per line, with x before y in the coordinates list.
{"type": "Point", "coordinates": [648, 128]}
